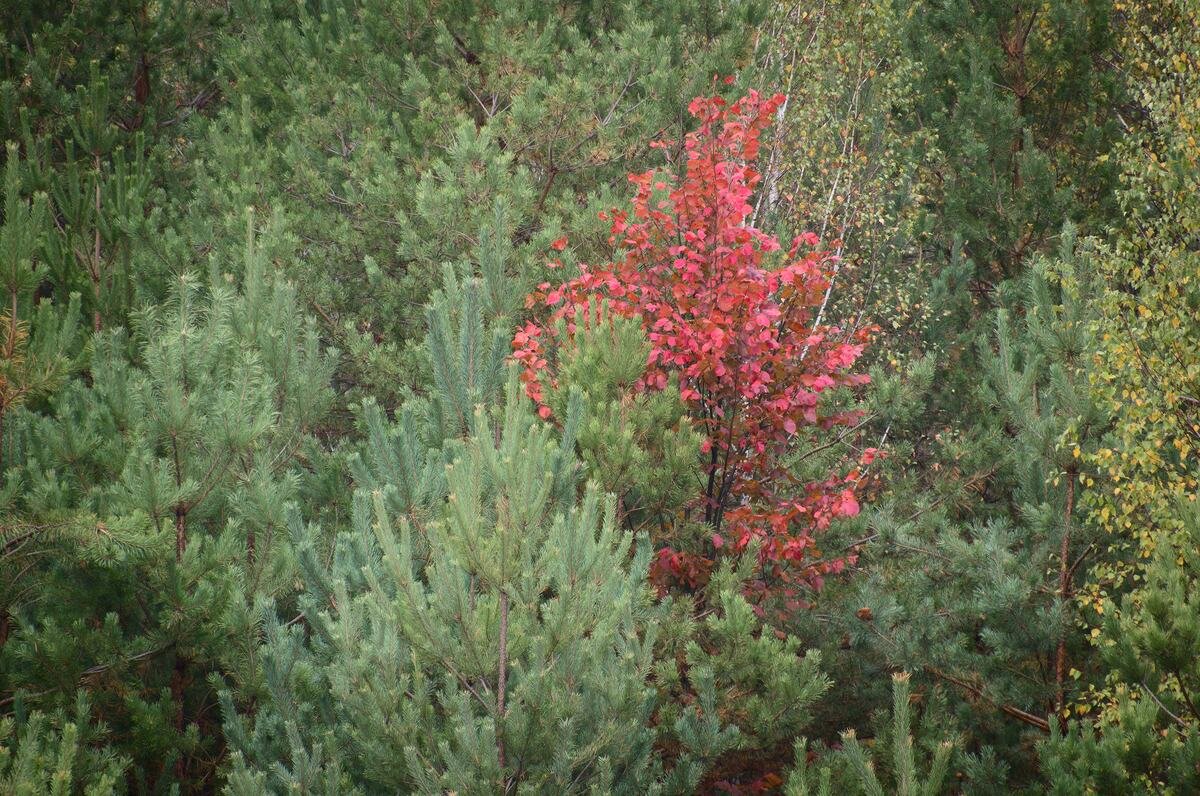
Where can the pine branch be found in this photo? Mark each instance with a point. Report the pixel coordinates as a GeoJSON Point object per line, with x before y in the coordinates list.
{"type": "Point", "coordinates": [97, 669]}
{"type": "Point", "coordinates": [1009, 710]}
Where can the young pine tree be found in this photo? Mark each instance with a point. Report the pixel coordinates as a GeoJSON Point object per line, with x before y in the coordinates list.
{"type": "Point", "coordinates": [177, 455]}
{"type": "Point", "coordinates": [483, 628]}
{"type": "Point", "coordinates": [39, 342]}
{"type": "Point", "coordinates": [1019, 105]}
{"type": "Point", "coordinates": [409, 123]}
{"type": "Point", "coordinates": [638, 445]}
{"type": "Point", "coordinates": [1142, 731]}
{"type": "Point", "coordinates": [503, 641]}
{"type": "Point", "coordinates": [989, 608]}
{"type": "Point", "coordinates": [911, 760]}
{"type": "Point", "coordinates": [38, 338]}
{"type": "Point", "coordinates": [1147, 740]}
{"type": "Point", "coordinates": [54, 755]}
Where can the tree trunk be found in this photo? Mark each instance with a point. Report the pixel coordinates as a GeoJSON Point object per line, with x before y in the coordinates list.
{"type": "Point", "coordinates": [97, 322]}
{"type": "Point", "coordinates": [180, 533]}
{"type": "Point", "coordinates": [178, 684]}
{"type": "Point", "coordinates": [502, 677]}
{"type": "Point", "coordinates": [1064, 594]}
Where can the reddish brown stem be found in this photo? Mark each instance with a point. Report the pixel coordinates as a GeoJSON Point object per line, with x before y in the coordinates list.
{"type": "Point", "coordinates": [180, 533]}
{"type": "Point", "coordinates": [1008, 710]}
{"type": "Point", "coordinates": [96, 320]}
{"type": "Point", "coordinates": [178, 684]}
{"type": "Point", "coordinates": [1064, 594]}
{"type": "Point", "coordinates": [502, 678]}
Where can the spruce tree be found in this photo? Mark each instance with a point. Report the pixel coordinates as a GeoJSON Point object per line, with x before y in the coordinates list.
{"type": "Point", "coordinates": [1012, 136]}
{"type": "Point", "coordinates": [952, 142]}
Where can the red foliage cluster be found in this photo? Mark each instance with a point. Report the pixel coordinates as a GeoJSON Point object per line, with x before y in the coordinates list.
{"type": "Point", "coordinates": [734, 317]}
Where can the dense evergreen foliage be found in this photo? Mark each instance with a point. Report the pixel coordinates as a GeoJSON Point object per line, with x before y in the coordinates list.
{"type": "Point", "coordinates": [497, 396]}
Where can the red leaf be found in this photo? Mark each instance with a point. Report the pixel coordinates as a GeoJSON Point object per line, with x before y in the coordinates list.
{"type": "Point", "coordinates": [734, 330]}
